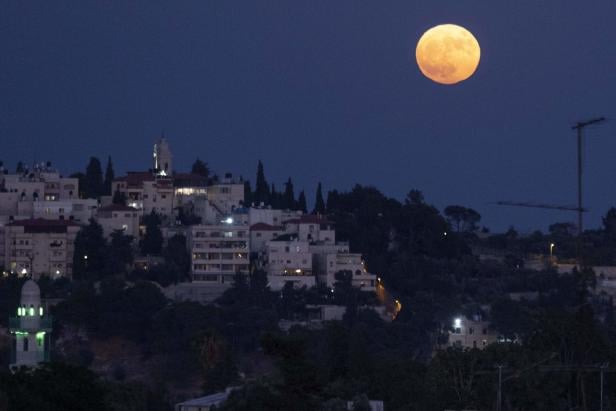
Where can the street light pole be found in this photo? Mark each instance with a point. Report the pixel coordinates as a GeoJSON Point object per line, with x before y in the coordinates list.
{"type": "Point", "coordinates": [499, 392]}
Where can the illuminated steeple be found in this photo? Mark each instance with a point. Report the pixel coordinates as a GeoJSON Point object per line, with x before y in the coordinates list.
{"type": "Point", "coordinates": [162, 158]}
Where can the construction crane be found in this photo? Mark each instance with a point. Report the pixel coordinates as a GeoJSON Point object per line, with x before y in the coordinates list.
{"type": "Point", "coordinates": [532, 204]}
{"type": "Point", "coordinates": [579, 127]}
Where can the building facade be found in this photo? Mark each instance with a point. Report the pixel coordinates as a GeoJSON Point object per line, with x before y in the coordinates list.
{"type": "Point", "coordinates": [218, 252]}
{"type": "Point", "coordinates": [119, 217]}
{"type": "Point", "coordinates": [39, 247]}
{"type": "Point", "coordinates": [472, 332]}
{"type": "Point", "coordinates": [289, 260]}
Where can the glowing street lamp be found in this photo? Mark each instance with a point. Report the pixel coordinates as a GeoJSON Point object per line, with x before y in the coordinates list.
{"type": "Point", "coordinates": [552, 245]}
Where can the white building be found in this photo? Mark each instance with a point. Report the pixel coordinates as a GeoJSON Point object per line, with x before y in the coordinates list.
{"type": "Point", "coordinates": [261, 234]}
{"type": "Point", "coordinates": [41, 184]}
{"type": "Point", "coordinates": [289, 261]}
{"type": "Point", "coordinates": [226, 195]}
{"type": "Point", "coordinates": [119, 217]}
{"type": "Point", "coordinates": [39, 247]}
{"type": "Point", "coordinates": [311, 228]}
{"type": "Point", "coordinates": [147, 192]}
{"type": "Point", "coordinates": [271, 216]}
{"type": "Point", "coordinates": [218, 252]}
{"type": "Point", "coordinates": [30, 328]}
{"type": "Point", "coordinates": [188, 187]}
{"type": "Point", "coordinates": [328, 264]}
{"type": "Point", "coordinates": [77, 210]}
{"type": "Point", "coordinates": [471, 332]}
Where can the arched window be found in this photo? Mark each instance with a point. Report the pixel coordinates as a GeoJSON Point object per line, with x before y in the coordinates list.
{"type": "Point", "coordinates": [31, 310]}
{"type": "Point", "coordinates": [41, 311]}
{"type": "Point", "coordinates": [26, 343]}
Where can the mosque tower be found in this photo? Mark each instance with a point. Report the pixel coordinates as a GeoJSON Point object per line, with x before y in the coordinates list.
{"type": "Point", "coordinates": [30, 328]}
{"type": "Point", "coordinates": [163, 160]}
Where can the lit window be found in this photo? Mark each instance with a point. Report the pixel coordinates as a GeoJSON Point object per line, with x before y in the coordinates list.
{"type": "Point", "coordinates": [31, 311]}
{"type": "Point", "coordinates": [41, 311]}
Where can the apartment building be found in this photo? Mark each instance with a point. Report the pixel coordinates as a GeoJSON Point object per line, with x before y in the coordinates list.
{"type": "Point", "coordinates": [312, 228]}
{"type": "Point", "coordinates": [289, 260]}
{"type": "Point", "coordinates": [261, 234]}
{"type": "Point", "coordinates": [77, 210]}
{"type": "Point", "coordinates": [474, 332]}
{"type": "Point", "coordinates": [147, 192]}
{"type": "Point", "coordinates": [40, 247]}
{"type": "Point", "coordinates": [218, 252]}
{"type": "Point", "coordinates": [119, 217]}
{"type": "Point", "coordinates": [18, 192]}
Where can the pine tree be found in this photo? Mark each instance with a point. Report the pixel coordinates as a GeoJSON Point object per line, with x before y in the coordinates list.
{"type": "Point", "coordinates": [201, 168]}
{"type": "Point", "coordinates": [319, 204]}
{"type": "Point", "coordinates": [152, 242]}
{"type": "Point", "coordinates": [333, 198]}
{"type": "Point", "coordinates": [288, 199]}
{"type": "Point", "coordinates": [93, 181]}
{"type": "Point", "coordinates": [90, 255]}
{"type": "Point", "coordinates": [301, 202]}
{"type": "Point", "coordinates": [262, 191]}
{"type": "Point", "coordinates": [109, 176]}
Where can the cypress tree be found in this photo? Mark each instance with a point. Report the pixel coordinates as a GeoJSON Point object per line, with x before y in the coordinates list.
{"type": "Point", "coordinates": [319, 204]}
{"type": "Point", "coordinates": [93, 181]}
{"type": "Point", "coordinates": [109, 176]}
{"type": "Point", "coordinates": [262, 190]}
{"type": "Point", "coordinates": [301, 202]}
{"type": "Point", "coordinates": [288, 196]}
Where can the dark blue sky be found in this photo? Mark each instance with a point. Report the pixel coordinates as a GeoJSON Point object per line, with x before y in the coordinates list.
{"type": "Point", "coordinates": [320, 90]}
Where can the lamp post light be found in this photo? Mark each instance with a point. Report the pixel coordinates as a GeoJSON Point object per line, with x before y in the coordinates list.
{"type": "Point", "coordinates": [552, 245]}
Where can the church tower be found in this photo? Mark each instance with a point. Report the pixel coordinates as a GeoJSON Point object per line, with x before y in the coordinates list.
{"type": "Point", "coordinates": [163, 160]}
{"type": "Point", "coordinates": [30, 328]}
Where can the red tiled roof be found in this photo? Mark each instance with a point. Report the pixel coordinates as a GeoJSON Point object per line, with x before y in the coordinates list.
{"type": "Point", "coordinates": [265, 227]}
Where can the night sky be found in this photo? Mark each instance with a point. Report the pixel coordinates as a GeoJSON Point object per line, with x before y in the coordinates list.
{"type": "Point", "coordinates": [321, 90]}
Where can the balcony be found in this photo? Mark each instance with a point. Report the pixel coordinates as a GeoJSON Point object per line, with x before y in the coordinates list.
{"type": "Point", "coordinates": [27, 323]}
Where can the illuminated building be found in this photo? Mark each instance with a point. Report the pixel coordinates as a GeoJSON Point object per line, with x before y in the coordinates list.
{"type": "Point", "coordinates": [37, 247]}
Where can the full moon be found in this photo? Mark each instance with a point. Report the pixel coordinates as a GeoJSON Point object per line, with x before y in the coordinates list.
{"type": "Point", "coordinates": [447, 54]}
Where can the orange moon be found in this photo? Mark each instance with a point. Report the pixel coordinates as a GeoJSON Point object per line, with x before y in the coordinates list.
{"type": "Point", "coordinates": [448, 54]}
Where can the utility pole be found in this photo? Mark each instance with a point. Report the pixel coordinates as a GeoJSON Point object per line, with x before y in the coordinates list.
{"type": "Point", "coordinates": [603, 367]}
{"type": "Point", "coordinates": [579, 126]}
{"type": "Point", "coordinates": [499, 392]}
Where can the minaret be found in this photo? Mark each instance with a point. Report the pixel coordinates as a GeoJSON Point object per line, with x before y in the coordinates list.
{"type": "Point", "coordinates": [30, 328]}
{"type": "Point", "coordinates": [163, 160]}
